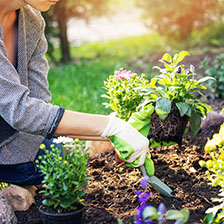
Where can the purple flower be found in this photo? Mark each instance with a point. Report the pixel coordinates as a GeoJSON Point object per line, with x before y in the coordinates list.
{"type": "Point", "coordinates": [144, 197]}
{"type": "Point", "coordinates": [140, 210]}
{"type": "Point", "coordinates": [162, 210]}
{"type": "Point", "coordinates": [138, 193]}
{"type": "Point", "coordinates": [178, 70]}
{"type": "Point", "coordinates": [139, 222]}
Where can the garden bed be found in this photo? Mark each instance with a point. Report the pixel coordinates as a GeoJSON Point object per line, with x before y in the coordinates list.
{"type": "Point", "coordinates": [111, 193]}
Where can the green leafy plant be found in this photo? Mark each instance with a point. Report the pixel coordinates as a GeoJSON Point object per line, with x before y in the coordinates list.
{"type": "Point", "coordinates": [177, 84]}
{"type": "Point", "coordinates": [122, 92]}
{"type": "Point", "coordinates": [64, 176]}
{"type": "Point", "coordinates": [215, 69]}
{"type": "Point", "coordinates": [215, 173]}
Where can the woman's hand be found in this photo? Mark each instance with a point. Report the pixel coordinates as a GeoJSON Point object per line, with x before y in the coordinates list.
{"type": "Point", "coordinates": [128, 142]}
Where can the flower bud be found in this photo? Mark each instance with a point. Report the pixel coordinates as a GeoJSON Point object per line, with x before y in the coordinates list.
{"type": "Point", "coordinates": [202, 163]}
{"type": "Point", "coordinates": [209, 164]}
{"type": "Point", "coordinates": [42, 146]}
{"type": "Point", "coordinates": [221, 156]}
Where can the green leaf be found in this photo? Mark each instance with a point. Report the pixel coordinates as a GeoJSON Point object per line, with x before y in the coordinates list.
{"type": "Point", "coordinates": [163, 107]}
{"type": "Point", "coordinates": [48, 202]}
{"type": "Point", "coordinates": [167, 57]}
{"type": "Point", "coordinates": [65, 188]}
{"type": "Point", "coordinates": [204, 79]}
{"type": "Point", "coordinates": [151, 212]}
{"type": "Point", "coordinates": [183, 108]}
{"type": "Point", "coordinates": [183, 215]}
{"type": "Point", "coordinates": [66, 203]}
{"type": "Point", "coordinates": [179, 57]}
{"type": "Point", "coordinates": [188, 113]}
{"type": "Point", "coordinates": [208, 219]}
{"type": "Point", "coordinates": [119, 221]}
{"type": "Point", "coordinates": [195, 122]}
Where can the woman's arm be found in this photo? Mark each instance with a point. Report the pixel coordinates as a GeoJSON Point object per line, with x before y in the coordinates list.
{"type": "Point", "coordinates": [81, 124]}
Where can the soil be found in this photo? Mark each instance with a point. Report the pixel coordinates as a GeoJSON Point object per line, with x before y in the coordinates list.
{"type": "Point", "coordinates": [111, 192]}
{"type": "Point", "coordinates": [170, 129]}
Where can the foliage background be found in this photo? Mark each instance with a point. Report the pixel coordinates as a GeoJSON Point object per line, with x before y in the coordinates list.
{"type": "Point", "coordinates": [77, 72]}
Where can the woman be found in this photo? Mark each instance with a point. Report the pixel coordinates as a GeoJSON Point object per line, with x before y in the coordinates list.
{"type": "Point", "coordinates": [27, 118]}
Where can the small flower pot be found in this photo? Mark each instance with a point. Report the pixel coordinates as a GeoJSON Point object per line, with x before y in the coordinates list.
{"type": "Point", "coordinates": [73, 217]}
{"type": "Point", "coordinates": [170, 129]}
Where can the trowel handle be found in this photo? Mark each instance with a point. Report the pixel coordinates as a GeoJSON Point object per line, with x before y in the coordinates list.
{"type": "Point", "coordinates": [144, 172]}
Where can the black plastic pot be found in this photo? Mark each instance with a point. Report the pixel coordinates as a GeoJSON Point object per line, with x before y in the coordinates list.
{"type": "Point", "coordinates": [73, 217]}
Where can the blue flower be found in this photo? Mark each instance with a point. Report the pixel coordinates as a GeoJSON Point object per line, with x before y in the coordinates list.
{"type": "Point", "coordinates": [140, 210]}
{"type": "Point", "coordinates": [162, 210]}
{"type": "Point", "coordinates": [139, 222]}
{"type": "Point", "coordinates": [144, 197]}
{"type": "Point", "coordinates": [138, 193]}
{"type": "Point", "coordinates": [179, 70]}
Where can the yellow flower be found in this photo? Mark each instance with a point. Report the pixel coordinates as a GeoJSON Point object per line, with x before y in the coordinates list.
{"type": "Point", "coordinates": [202, 163]}
{"type": "Point", "coordinates": [209, 164]}
{"type": "Point", "coordinates": [217, 138]}
{"type": "Point", "coordinates": [221, 157]}
{"type": "Point", "coordinates": [210, 146]}
{"type": "Point", "coordinates": [42, 146]}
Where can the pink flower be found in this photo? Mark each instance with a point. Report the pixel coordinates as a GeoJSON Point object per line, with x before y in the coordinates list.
{"type": "Point", "coordinates": [123, 74]}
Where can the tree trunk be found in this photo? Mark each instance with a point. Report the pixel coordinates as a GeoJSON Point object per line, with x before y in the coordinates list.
{"type": "Point", "coordinates": [62, 23]}
{"type": "Point", "coordinates": [64, 44]}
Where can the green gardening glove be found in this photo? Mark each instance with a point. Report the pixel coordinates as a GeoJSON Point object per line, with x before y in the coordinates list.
{"type": "Point", "coordinates": [130, 145]}
{"type": "Point", "coordinates": [141, 120]}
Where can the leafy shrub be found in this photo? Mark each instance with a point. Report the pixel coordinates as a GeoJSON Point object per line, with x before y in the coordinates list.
{"type": "Point", "coordinates": [215, 174]}
{"type": "Point", "coordinates": [122, 92]}
{"type": "Point", "coordinates": [64, 176]}
{"type": "Point", "coordinates": [215, 69]}
{"type": "Point", "coordinates": [127, 92]}
{"type": "Point", "coordinates": [177, 84]}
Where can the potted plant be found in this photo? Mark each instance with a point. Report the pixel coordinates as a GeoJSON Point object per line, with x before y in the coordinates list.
{"type": "Point", "coordinates": [123, 95]}
{"type": "Point", "coordinates": [122, 92]}
{"type": "Point", "coordinates": [175, 94]}
{"type": "Point", "coordinates": [64, 179]}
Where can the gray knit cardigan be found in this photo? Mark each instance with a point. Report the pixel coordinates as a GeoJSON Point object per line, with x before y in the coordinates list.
{"type": "Point", "coordinates": [27, 117]}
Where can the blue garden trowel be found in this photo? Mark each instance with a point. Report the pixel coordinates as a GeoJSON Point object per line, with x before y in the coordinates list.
{"type": "Point", "coordinates": [156, 183]}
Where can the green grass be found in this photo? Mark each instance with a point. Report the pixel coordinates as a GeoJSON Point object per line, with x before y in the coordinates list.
{"type": "Point", "coordinates": [79, 86]}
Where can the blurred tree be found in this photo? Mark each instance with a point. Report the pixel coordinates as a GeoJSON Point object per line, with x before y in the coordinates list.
{"type": "Point", "coordinates": [178, 18]}
{"type": "Point", "coordinates": [58, 16]}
